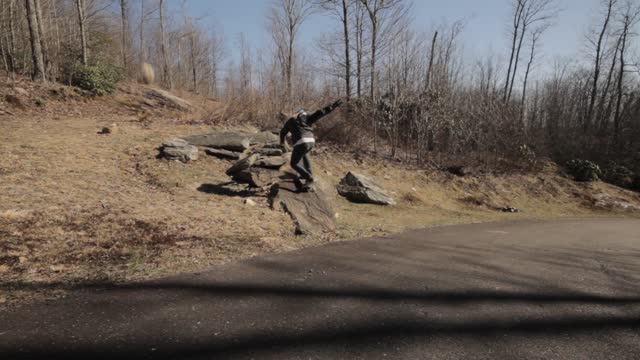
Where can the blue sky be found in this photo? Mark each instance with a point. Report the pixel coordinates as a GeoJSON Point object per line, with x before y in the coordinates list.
{"type": "Point", "coordinates": [485, 31]}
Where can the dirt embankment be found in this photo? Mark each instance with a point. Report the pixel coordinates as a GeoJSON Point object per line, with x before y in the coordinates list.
{"type": "Point", "coordinates": [78, 206]}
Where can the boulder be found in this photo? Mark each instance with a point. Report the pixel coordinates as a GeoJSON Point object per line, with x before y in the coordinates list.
{"type": "Point", "coordinates": [168, 100]}
{"type": "Point", "coordinates": [224, 154]}
{"type": "Point", "coordinates": [361, 189]}
{"type": "Point", "coordinates": [230, 140]}
{"type": "Point", "coordinates": [264, 137]}
{"type": "Point", "coordinates": [311, 212]}
{"type": "Point", "coordinates": [241, 165]}
{"type": "Point", "coordinates": [258, 177]}
{"type": "Point", "coordinates": [178, 149]}
{"type": "Point", "coordinates": [271, 162]}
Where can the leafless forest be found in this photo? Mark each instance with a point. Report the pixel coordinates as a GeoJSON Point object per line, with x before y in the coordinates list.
{"type": "Point", "coordinates": [414, 95]}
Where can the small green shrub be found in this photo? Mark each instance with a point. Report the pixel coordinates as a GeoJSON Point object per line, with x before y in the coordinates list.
{"type": "Point", "coordinates": [40, 102]}
{"type": "Point", "coordinates": [584, 170]}
{"type": "Point", "coordinates": [618, 175]}
{"type": "Point", "coordinates": [98, 79]}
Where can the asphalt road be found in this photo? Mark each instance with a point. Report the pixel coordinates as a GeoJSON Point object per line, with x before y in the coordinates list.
{"type": "Point", "coordinates": [566, 289]}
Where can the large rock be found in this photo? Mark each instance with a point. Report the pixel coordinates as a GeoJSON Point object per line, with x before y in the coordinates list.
{"type": "Point", "coordinates": [361, 189]}
{"type": "Point", "coordinates": [264, 137]}
{"type": "Point", "coordinates": [311, 211]}
{"type": "Point", "coordinates": [178, 149]}
{"type": "Point", "coordinates": [224, 154]}
{"type": "Point", "coordinates": [243, 164]}
{"type": "Point", "coordinates": [271, 162]}
{"type": "Point", "coordinates": [258, 177]}
{"type": "Point", "coordinates": [238, 141]}
{"type": "Point", "coordinates": [230, 140]}
{"type": "Point", "coordinates": [168, 100]}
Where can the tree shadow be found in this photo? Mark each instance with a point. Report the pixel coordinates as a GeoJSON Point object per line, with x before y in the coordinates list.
{"type": "Point", "coordinates": [229, 188]}
{"type": "Point", "coordinates": [356, 333]}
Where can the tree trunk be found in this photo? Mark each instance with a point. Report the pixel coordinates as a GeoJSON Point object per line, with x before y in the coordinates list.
{"type": "Point", "coordinates": [526, 78]}
{"type": "Point", "coordinates": [359, 51]}
{"type": "Point", "coordinates": [596, 69]}
{"type": "Point", "coordinates": [83, 31]}
{"type": "Point", "coordinates": [43, 41]}
{"type": "Point", "coordinates": [374, 33]}
{"type": "Point", "coordinates": [163, 49]}
{"type": "Point", "coordinates": [623, 45]}
{"type": "Point", "coordinates": [516, 61]}
{"type": "Point", "coordinates": [125, 32]}
{"type": "Point", "coordinates": [193, 61]}
{"type": "Point", "coordinates": [36, 50]}
{"type": "Point", "coordinates": [143, 53]}
{"type": "Point", "coordinates": [289, 65]}
{"type": "Point", "coordinates": [604, 113]}
{"type": "Point", "coordinates": [11, 46]}
{"type": "Point", "coordinates": [347, 59]}
{"type": "Point", "coordinates": [516, 27]}
{"type": "Point", "coordinates": [431, 56]}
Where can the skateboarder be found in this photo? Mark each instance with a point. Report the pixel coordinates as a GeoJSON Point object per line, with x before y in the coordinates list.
{"type": "Point", "coordinates": [303, 141]}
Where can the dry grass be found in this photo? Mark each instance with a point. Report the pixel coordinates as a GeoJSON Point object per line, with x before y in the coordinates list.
{"type": "Point", "coordinates": [79, 206]}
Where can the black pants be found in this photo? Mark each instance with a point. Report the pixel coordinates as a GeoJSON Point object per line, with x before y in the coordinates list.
{"type": "Point", "coordinates": [300, 160]}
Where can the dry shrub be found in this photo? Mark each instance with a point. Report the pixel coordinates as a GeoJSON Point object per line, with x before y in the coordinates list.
{"type": "Point", "coordinates": [411, 198]}
{"type": "Point", "coordinates": [148, 75]}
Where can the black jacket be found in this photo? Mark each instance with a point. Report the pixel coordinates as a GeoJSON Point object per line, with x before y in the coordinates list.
{"type": "Point", "coordinates": [300, 126]}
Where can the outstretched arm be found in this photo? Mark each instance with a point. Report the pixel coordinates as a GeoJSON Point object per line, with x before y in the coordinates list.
{"type": "Point", "coordinates": [322, 112]}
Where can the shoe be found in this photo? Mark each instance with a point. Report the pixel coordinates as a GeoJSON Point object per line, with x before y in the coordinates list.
{"type": "Point", "coordinates": [308, 186]}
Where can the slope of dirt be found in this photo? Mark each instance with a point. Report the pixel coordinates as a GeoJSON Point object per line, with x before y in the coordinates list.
{"type": "Point", "coordinates": [78, 206]}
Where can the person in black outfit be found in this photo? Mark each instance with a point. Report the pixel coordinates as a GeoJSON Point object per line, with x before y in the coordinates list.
{"type": "Point", "coordinates": [303, 140]}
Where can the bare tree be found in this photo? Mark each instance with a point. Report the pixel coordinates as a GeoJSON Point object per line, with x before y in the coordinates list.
{"type": "Point", "coordinates": [629, 19]}
{"type": "Point", "coordinates": [340, 9]}
{"type": "Point", "coordinates": [378, 11]}
{"type": "Point", "coordinates": [82, 19]}
{"type": "Point", "coordinates": [124, 10]}
{"type": "Point", "coordinates": [286, 17]}
{"type": "Point", "coordinates": [359, 16]}
{"type": "Point", "coordinates": [535, 37]}
{"type": "Point", "coordinates": [166, 71]}
{"type": "Point", "coordinates": [431, 58]}
{"type": "Point", "coordinates": [36, 50]}
{"type": "Point", "coordinates": [515, 33]}
{"type": "Point", "coordinates": [599, 52]}
{"type": "Point", "coordinates": [526, 14]}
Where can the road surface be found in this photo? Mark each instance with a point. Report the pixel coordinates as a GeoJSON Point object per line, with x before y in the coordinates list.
{"type": "Point", "coordinates": [564, 289]}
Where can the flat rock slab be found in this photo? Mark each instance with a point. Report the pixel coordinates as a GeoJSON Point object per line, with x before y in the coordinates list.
{"type": "Point", "coordinates": [223, 154]}
{"type": "Point", "coordinates": [230, 140]}
{"type": "Point", "coordinates": [237, 141]}
{"type": "Point", "coordinates": [311, 212]}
